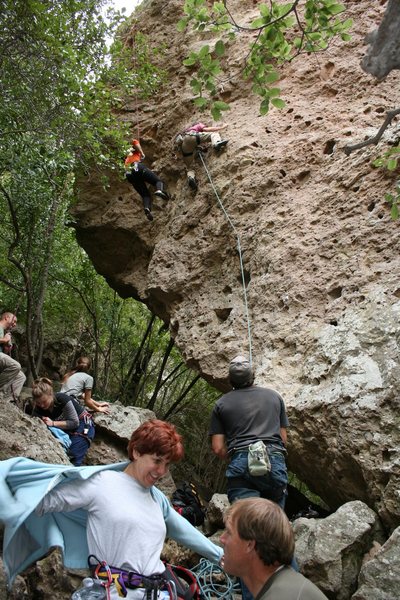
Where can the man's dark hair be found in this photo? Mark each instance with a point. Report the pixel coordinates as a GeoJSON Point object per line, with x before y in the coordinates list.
{"type": "Point", "coordinates": [240, 372]}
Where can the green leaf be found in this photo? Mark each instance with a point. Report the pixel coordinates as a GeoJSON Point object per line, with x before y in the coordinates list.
{"type": "Point", "coordinates": [200, 102]}
{"type": "Point", "coordinates": [278, 102]}
{"type": "Point", "coordinates": [264, 10]}
{"type": "Point", "coordinates": [189, 62]}
{"type": "Point", "coordinates": [271, 77]}
{"type": "Point", "coordinates": [204, 51]}
{"type": "Point", "coordinates": [394, 211]}
{"type": "Point", "coordinates": [218, 104]}
{"type": "Point", "coordinates": [391, 164]}
{"type": "Point", "coordinates": [258, 23]}
{"type": "Point", "coordinates": [273, 92]}
{"type": "Point", "coordinates": [181, 25]}
{"type": "Point", "coordinates": [378, 162]}
{"type": "Point", "coordinates": [216, 113]}
{"type": "Point", "coordinates": [196, 85]}
{"type": "Point", "coordinates": [219, 48]}
{"type": "Point", "coordinates": [336, 9]}
{"type": "Point", "coordinates": [264, 106]}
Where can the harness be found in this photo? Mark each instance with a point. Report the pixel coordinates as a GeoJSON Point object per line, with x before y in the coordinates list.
{"type": "Point", "coordinates": [85, 419]}
{"type": "Point", "coordinates": [124, 580]}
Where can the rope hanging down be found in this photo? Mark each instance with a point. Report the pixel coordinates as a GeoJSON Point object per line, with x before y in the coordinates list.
{"type": "Point", "coordinates": [135, 70]}
{"type": "Point", "coordinates": [239, 251]}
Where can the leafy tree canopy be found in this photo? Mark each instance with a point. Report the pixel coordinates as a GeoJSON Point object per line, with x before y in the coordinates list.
{"type": "Point", "coordinates": [280, 33]}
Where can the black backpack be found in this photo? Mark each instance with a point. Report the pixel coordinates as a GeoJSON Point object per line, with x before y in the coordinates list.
{"type": "Point", "coordinates": [186, 501]}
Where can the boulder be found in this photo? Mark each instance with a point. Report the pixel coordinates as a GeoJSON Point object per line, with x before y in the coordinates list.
{"type": "Point", "coordinates": [330, 551]}
{"type": "Point", "coordinates": [379, 577]}
{"type": "Point", "coordinates": [216, 509]}
{"type": "Point", "coordinates": [22, 435]}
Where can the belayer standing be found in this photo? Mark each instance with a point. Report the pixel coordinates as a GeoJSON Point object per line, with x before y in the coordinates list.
{"type": "Point", "coordinates": [138, 175]}
{"type": "Point", "coordinates": [191, 138]}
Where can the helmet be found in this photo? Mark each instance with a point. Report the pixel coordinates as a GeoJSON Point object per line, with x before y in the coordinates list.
{"type": "Point", "coordinates": [240, 372]}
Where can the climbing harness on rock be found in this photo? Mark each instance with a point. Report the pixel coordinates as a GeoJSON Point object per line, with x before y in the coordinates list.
{"type": "Point", "coordinates": [200, 154]}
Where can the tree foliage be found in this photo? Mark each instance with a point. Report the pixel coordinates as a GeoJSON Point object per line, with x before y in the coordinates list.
{"type": "Point", "coordinates": [280, 33]}
{"type": "Point", "coordinates": [60, 88]}
{"type": "Point", "coordinates": [61, 92]}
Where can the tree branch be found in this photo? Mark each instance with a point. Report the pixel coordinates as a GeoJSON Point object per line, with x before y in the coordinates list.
{"type": "Point", "coordinates": [390, 115]}
{"type": "Point", "coordinates": [11, 285]}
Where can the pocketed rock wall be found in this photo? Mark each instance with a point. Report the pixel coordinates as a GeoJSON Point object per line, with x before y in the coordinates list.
{"type": "Point", "coordinates": [320, 251]}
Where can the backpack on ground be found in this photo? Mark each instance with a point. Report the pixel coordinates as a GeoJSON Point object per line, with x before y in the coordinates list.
{"type": "Point", "coordinates": [186, 501]}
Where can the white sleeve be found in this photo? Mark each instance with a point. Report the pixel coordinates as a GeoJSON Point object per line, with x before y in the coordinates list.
{"type": "Point", "coordinates": [69, 496]}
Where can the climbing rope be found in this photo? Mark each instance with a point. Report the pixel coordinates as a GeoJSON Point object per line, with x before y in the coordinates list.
{"type": "Point", "coordinates": [135, 70]}
{"type": "Point", "coordinates": [214, 582]}
{"type": "Point", "coordinates": [239, 251]}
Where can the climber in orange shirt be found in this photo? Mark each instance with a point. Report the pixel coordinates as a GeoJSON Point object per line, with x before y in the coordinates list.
{"type": "Point", "coordinates": [138, 175]}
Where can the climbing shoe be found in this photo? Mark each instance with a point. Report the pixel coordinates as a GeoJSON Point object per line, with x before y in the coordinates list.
{"type": "Point", "coordinates": [148, 214]}
{"type": "Point", "coordinates": [219, 145]}
{"type": "Point", "coordinates": [192, 183]}
{"type": "Point", "coordinates": [162, 194]}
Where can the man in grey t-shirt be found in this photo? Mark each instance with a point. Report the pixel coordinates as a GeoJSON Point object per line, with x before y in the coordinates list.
{"type": "Point", "coordinates": [243, 416]}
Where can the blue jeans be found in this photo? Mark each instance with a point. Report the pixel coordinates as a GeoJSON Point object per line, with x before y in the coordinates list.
{"type": "Point", "coordinates": [80, 443]}
{"type": "Point", "coordinates": [272, 486]}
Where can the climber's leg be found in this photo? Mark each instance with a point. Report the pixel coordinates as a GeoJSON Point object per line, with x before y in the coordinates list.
{"type": "Point", "coordinates": [153, 179]}
{"type": "Point", "coordinates": [137, 182]}
{"type": "Point", "coordinates": [188, 148]}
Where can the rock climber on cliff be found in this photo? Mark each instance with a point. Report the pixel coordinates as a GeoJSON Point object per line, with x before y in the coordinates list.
{"type": "Point", "coordinates": [189, 140]}
{"type": "Point", "coordinates": [138, 175]}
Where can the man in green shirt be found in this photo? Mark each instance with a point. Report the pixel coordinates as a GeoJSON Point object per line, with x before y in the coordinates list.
{"type": "Point", "coordinates": [258, 546]}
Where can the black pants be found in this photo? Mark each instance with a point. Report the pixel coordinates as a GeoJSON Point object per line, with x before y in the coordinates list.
{"type": "Point", "coordinates": [139, 178]}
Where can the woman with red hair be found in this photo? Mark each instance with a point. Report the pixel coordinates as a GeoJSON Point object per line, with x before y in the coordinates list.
{"type": "Point", "coordinates": [128, 518]}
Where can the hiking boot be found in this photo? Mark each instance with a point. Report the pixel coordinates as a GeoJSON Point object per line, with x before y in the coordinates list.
{"type": "Point", "coordinates": [219, 145]}
{"type": "Point", "coordinates": [163, 195]}
{"type": "Point", "coordinates": [148, 214]}
{"type": "Point", "coordinates": [192, 183]}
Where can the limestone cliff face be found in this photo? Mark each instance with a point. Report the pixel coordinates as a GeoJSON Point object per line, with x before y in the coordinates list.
{"type": "Point", "coordinates": [321, 254]}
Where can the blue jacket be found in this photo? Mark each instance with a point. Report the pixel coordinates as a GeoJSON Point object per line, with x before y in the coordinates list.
{"type": "Point", "coordinates": [28, 537]}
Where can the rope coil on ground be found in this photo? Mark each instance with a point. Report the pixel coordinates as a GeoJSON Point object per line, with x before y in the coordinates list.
{"type": "Point", "coordinates": [239, 251]}
{"type": "Point", "coordinates": [214, 582]}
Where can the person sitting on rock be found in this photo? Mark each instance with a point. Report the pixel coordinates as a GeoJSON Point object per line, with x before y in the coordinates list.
{"type": "Point", "coordinates": [79, 384]}
{"type": "Point", "coordinates": [258, 546]}
{"type": "Point", "coordinates": [64, 412]}
{"type": "Point", "coordinates": [12, 378]}
{"type": "Point", "coordinates": [138, 175]}
{"type": "Point", "coordinates": [191, 138]}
